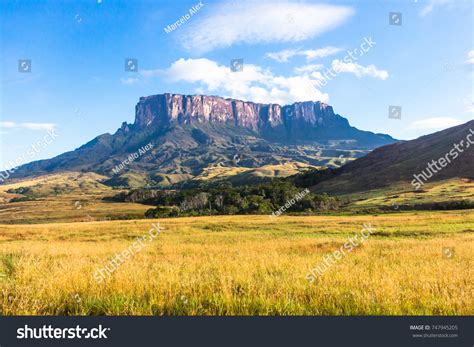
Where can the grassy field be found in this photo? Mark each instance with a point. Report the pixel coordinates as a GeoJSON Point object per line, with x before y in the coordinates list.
{"type": "Point", "coordinates": [67, 197]}
{"type": "Point", "coordinates": [242, 265]}
{"type": "Point", "coordinates": [433, 192]}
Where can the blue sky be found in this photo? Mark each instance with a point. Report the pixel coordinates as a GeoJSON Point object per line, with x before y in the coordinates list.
{"type": "Point", "coordinates": [78, 84]}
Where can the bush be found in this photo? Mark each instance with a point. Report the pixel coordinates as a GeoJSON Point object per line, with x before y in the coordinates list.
{"type": "Point", "coordinates": [162, 212]}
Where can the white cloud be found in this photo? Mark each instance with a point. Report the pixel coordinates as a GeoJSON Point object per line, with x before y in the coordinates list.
{"type": "Point", "coordinates": [434, 123]}
{"type": "Point", "coordinates": [38, 126]}
{"type": "Point", "coordinates": [310, 54]}
{"type": "Point", "coordinates": [7, 124]}
{"type": "Point", "coordinates": [431, 4]}
{"type": "Point", "coordinates": [282, 56]}
{"type": "Point", "coordinates": [253, 83]}
{"type": "Point", "coordinates": [371, 70]}
{"type": "Point", "coordinates": [308, 68]}
{"type": "Point", "coordinates": [28, 126]}
{"type": "Point", "coordinates": [129, 80]}
{"type": "Point", "coordinates": [321, 52]}
{"type": "Point", "coordinates": [470, 57]}
{"type": "Point", "coordinates": [258, 84]}
{"type": "Point", "coordinates": [261, 22]}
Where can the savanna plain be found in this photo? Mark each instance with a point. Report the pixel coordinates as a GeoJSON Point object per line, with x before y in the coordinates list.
{"type": "Point", "coordinates": [414, 263]}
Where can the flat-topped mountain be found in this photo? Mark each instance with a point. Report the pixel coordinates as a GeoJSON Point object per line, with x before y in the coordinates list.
{"type": "Point", "coordinates": [188, 134]}
{"type": "Point", "coordinates": [301, 121]}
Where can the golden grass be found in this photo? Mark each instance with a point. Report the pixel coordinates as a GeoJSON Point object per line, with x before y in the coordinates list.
{"type": "Point", "coordinates": [276, 170]}
{"type": "Point", "coordinates": [69, 208]}
{"type": "Point", "coordinates": [440, 191]}
{"type": "Point", "coordinates": [242, 265]}
{"type": "Point", "coordinates": [65, 197]}
{"type": "Point", "coordinates": [45, 185]}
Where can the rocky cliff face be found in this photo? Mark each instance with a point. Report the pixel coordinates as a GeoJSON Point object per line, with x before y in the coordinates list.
{"type": "Point", "coordinates": [297, 119]}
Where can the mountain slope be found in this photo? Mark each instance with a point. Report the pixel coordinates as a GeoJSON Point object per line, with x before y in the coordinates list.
{"type": "Point", "coordinates": [396, 164]}
{"type": "Point", "coordinates": [189, 134]}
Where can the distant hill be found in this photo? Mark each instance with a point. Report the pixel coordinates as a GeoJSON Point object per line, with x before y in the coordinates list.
{"type": "Point", "coordinates": [396, 164]}
{"type": "Point", "coordinates": [187, 135]}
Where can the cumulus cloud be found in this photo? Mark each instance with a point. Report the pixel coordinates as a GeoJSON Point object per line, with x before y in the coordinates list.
{"type": "Point", "coordinates": [28, 126]}
{"type": "Point", "coordinates": [370, 70]}
{"type": "Point", "coordinates": [254, 83]}
{"type": "Point", "coordinates": [434, 123]}
{"type": "Point", "coordinates": [261, 22]}
{"type": "Point", "coordinates": [310, 54]}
